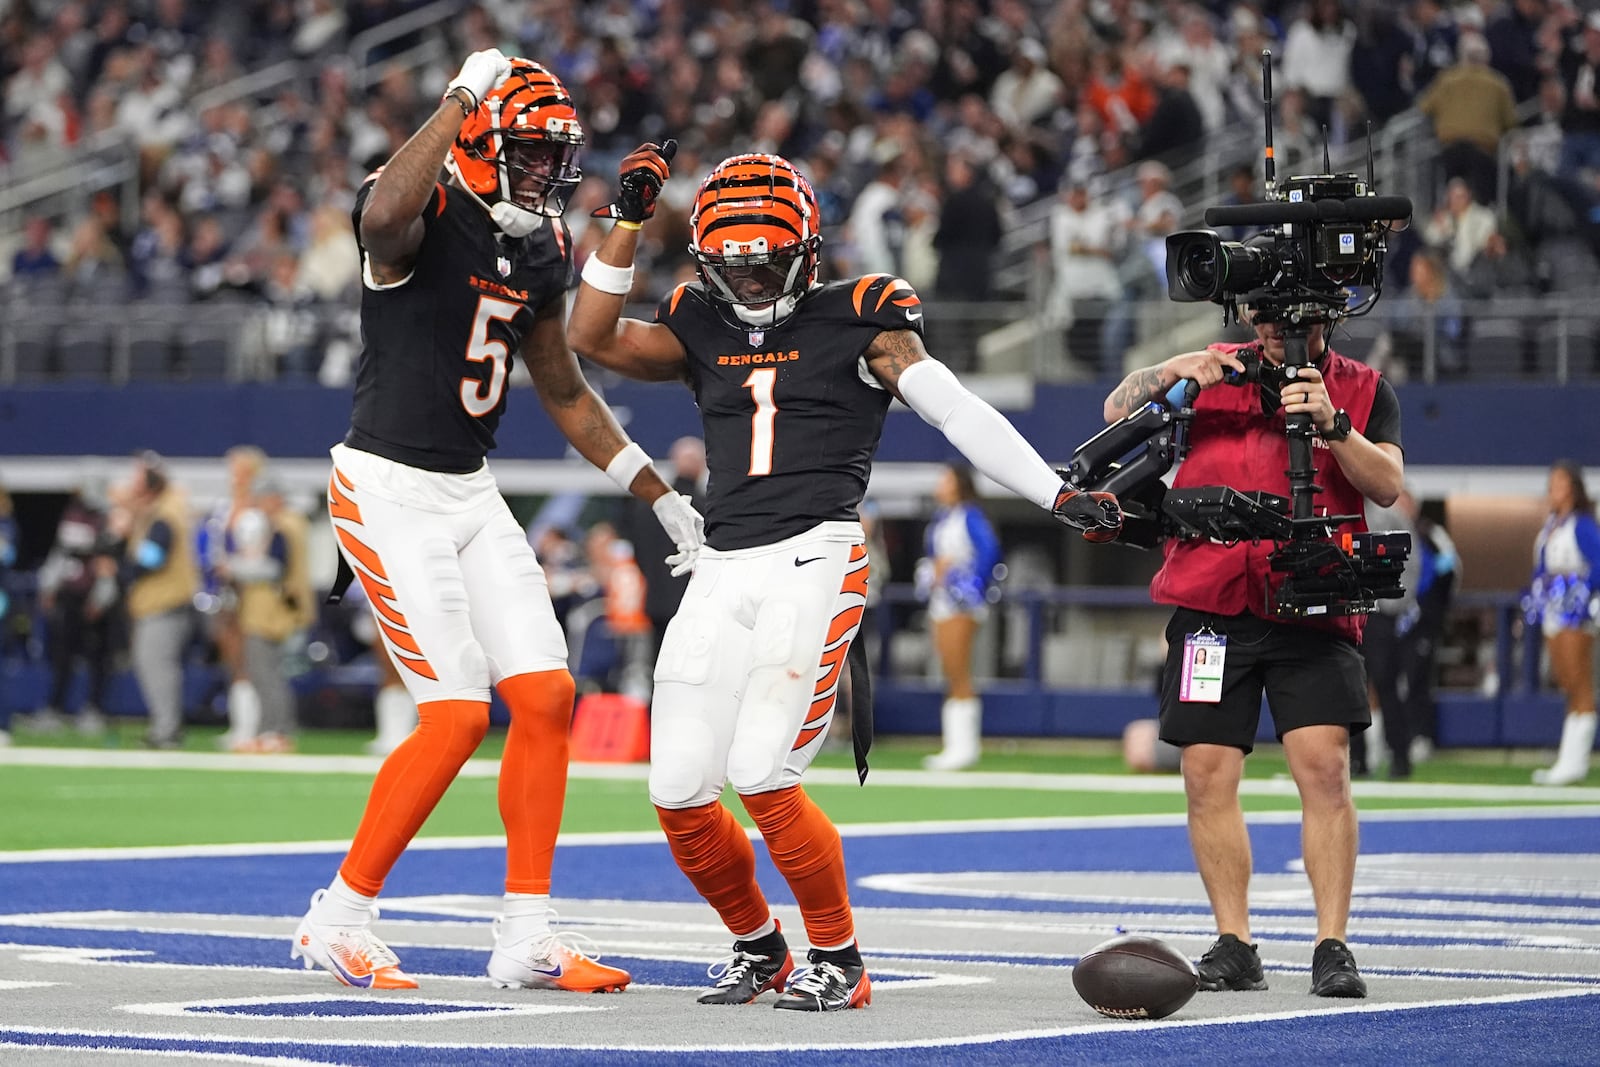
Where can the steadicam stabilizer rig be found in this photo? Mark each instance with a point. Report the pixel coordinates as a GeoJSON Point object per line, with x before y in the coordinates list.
{"type": "Point", "coordinates": [1324, 236]}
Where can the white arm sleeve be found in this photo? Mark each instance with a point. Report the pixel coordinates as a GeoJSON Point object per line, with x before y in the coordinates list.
{"type": "Point", "coordinates": [983, 435]}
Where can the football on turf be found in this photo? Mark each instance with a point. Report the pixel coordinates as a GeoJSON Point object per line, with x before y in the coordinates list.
{"type": "Point", "coordinates": [1134, 977]}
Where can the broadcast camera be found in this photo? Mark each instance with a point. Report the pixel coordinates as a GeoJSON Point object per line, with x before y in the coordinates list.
{"type": "Point", "coordinates": [1322, 235]}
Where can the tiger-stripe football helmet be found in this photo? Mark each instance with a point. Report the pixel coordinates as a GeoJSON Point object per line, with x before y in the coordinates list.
{"type": "Point", "coordinates": [518, 152]}
{"type": "Point", "coordinates": [756, 232]}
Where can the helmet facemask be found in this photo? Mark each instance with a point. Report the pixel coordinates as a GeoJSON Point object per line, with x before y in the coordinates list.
{"type": "Point", "coordinates": [756, 239]}
{"type": "Point", "coordinates": [761, 287]}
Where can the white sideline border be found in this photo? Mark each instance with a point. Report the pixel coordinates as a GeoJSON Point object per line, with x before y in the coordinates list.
{"type": "Point", "coordinates": [891, 829]}
{"type": "Point", "coordinates": [25, 756]}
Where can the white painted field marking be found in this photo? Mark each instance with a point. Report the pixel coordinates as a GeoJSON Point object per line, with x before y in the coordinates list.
{"type": "Point", "coordinates": [8, 984]}
{"type": "Point", "coordinates": [885, 829]}
{"type": "Point", "coordinates": [453, 1009]}
{"type": "Point", "coordinates": [1329, 1009]}
{"type": "Point", "coordinates": [82, 1054]}
{"type": "Point", "coordinates": [486, 768]}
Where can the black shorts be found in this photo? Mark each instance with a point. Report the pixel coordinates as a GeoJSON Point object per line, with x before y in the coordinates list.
{"type": "Point", "coordinates": [1311, 678]}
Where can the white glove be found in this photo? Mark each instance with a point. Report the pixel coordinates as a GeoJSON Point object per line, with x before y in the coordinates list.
{"type": "Point", "coordinates": [481, 73]}
{"type": "Point", "coordinates": [686, 528]}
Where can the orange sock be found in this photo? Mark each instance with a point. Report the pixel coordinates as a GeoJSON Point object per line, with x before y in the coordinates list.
{"type": "Point", "coordinates": [805, 848]}
{"type": "Point", "coordinates": [533, 774]}
{"type": "Point", "coordinates": [712, 849]}
{"type": "Point", "coordinates": [409, 784]}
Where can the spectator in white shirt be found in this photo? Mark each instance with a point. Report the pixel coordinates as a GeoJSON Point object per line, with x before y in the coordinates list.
{"type": "Point", "coordinates": [1461, 228]}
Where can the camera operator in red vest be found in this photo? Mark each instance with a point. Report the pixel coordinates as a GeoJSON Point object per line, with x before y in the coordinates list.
{"type": "Point", "coordinates": [1311, 670]}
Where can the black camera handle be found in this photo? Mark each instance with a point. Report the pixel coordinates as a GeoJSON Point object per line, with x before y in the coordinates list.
{"type": "Point", "coordinates": [1302, 472]}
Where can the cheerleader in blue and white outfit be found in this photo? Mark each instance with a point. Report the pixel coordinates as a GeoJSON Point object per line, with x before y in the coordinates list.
{"type": "Point", "coordinates": [1564, 599]}
{"type": "Point", "coordinates": [957, 576]}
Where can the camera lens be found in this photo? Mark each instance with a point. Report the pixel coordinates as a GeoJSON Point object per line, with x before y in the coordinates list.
{"type": "Point", "coordinates": [1199, 267]}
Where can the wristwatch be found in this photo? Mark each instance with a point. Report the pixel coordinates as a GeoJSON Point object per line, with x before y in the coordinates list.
{"type": "Point", "coordinates": [1340, 428]}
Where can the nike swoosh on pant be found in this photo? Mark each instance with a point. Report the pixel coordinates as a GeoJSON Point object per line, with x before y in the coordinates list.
{"type": "Point", "coordinates": [802, 562]}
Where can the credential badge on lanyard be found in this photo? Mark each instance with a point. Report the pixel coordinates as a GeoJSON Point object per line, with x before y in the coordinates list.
{"type": "Point", "coordinates": [1203, 654]}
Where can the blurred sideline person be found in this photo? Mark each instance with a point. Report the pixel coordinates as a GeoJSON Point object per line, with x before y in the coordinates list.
{"type": "Point", "coordinates": [957, 574]}
{"type": "Point", "coordinates": [1566, 581]}
{"type": "Point", "coordinates": [219, 599]}
{"type": "Point", "coordinates": [78, 595]}
{"type": "Point", "coordinates": [1312, 672]}
{"type": "Point", "coordinates": [792, 379]}
{"type": "Point", "coordinates": [268, 566]}
{"type": "Point", "coordinates": [1437, 580]}
{"type": "Point", "coordinates": [663, 590]}
{"type": "Point", "coordinates": [160, 577]}
{"type": "Point", "coordinates": [9, 537]}
{"type": "Point", "coordinates": [457, 280]}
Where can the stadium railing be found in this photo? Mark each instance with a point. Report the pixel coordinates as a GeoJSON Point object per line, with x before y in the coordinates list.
{"type": "Point", "coordinates": [1553, 338]}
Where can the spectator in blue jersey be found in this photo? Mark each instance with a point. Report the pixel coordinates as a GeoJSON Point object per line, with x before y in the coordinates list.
{"type": "Point", "coordinates": [958, 576]}
{"type": "Point", "coordinates": [1562, 600]}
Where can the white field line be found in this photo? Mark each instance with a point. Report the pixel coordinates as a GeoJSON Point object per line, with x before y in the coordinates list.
{"type": "Point", "coordinates": [890, 829]}
{"type": "Point", "coordinates": [82, 1053]}
{"type": "Point", "coordinates": [1345, 1008]}
{"type": "Point", "coordinates": [485, 768]}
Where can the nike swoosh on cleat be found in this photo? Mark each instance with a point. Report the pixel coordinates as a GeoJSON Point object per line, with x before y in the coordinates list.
{"type": "Point", "coordinates": [798, 562]}
{"type": "Point", "coordinates": [553, 972]}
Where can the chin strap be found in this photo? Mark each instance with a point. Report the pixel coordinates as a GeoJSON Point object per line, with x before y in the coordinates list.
{"type": "Point", "coordinates": [512, 220]}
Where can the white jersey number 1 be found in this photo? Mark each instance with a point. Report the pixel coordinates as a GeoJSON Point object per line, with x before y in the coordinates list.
{"type": "Point", "coordinates": [760, 384]}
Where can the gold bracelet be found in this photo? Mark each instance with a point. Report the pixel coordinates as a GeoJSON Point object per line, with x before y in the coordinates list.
{"type": "Point", "coordinates": [624, 224]}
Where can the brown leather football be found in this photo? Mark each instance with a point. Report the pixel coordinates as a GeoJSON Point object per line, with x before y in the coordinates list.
{"type": "Point", "coordinates": [1134, 977]}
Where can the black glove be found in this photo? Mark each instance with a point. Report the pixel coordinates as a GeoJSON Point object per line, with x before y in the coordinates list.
{"type": "Point", "coordinates": [1098, 515]}
{"type": "Point", "coordinates": [642, 174]}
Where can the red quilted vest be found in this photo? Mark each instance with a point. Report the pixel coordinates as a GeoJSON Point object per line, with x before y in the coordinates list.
{"type": "Point", "coordinates": [1233, 443]}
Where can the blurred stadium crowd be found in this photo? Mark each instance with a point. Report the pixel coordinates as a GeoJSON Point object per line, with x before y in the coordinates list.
{"type": "Point", "coordinates": [935, 133]}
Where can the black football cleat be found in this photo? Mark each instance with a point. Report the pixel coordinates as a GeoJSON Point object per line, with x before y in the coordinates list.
{"type": "Point", "coordinates": [827, 985]}
{"type": "Point", "coordinates": [755, 967]}
{"type": "Point", "coordinates": [1333, 971]}
{"type": "Point", "coordinates": [1231, 964]}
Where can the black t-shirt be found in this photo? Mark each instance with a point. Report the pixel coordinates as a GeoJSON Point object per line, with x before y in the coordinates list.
{"type": "Point", "coordinates": [437, 348]}
{"type": "Point", "coordinates": [792, 415]}
{"type": "Point", "coordinates": [1383, 423]}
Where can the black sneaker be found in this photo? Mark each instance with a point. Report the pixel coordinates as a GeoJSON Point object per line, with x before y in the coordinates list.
{"type": "Point", "coordinates": [827, 985]}
{"type": "Point", "coordinates": [1333, 971]}
{"type": "Point", "coordinates": [1231, 964]}
{"type": "Point", "coordinates": [755, 967]}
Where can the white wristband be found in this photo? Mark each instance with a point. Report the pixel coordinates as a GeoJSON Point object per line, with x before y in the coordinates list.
{"type": "Point", "coordinates": [626, 465]}
{"type": "Point", "coordinates": [618, 281]}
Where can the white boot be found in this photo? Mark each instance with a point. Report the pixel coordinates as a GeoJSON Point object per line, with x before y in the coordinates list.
{"type": "Point", "coordinates": [961, 723]}
{"type": "Point", "coordinates": [1377, 747]}
{"type": "Point", "coordinates": [1572, 759]}
{"type": "Point", "coordinates": [396, 714]}
{"type": "Point", "coordinates": [244, 717]}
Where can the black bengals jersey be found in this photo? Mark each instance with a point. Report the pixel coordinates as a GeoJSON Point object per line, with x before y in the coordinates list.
{"type": "Point", "coordinates": [437, 348]}
{"type": "Point", "coordinates": [792, 415]}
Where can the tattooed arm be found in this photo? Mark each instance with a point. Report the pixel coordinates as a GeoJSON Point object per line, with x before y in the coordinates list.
{"type": "Point", "coordinates": [574, 406]}
{"type": "Point", "coordinates": [1151, 383]}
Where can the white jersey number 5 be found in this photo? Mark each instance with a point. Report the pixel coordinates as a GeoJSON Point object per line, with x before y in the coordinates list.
{"type": "Point", "coordinates": [480, 397]}
{"type": "Point", "coordinates": [760, 384]}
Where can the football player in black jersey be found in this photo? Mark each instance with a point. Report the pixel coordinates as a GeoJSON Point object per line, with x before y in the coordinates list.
{"type": "Point", "coordinates": [457, 279]}
{"type": "Point", "coordinates": [793, 379]}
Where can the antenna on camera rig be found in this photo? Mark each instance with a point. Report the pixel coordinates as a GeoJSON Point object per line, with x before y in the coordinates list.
{"type": "Point", "coordinates": [1267, 164]}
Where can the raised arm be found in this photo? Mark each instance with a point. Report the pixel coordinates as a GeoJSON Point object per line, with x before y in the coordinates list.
{"type": "Point", "coordinates": [898, 360]}
{"type": "Point", "coordinates": [596, 329]}
{"type": "Point", "coordinates": [391, 221]}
